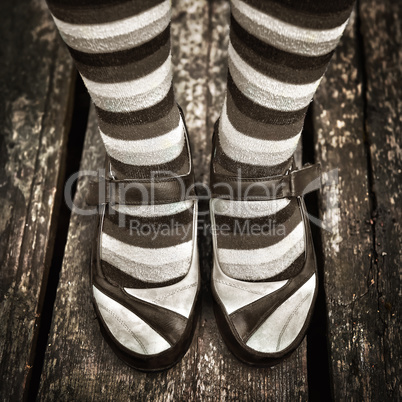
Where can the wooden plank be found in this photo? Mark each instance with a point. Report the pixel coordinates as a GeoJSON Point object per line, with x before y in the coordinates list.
{"type": "Point", "coordinates": [79, 365]}
{"type": "Point", "coordinates": [35, 83]}
{"type": "Point", "coordinates": [190, 47]}
{"type": "Point", "coordinates": [355, 324]}
{"type": "Point", "coordinates": [382, 39]}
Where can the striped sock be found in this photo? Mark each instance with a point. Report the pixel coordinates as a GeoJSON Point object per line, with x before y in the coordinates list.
{"type": "Point", "coordinates": [278, 52]}
{"type": "Point", "coordinates": [122, 51]}
{"type": "Point", "coordinates": [151, 247]}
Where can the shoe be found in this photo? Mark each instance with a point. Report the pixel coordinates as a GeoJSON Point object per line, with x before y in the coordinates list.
{"type": "Point", "coordinates": [262, 322]}
{"type": "Point", "coordinates": [148, 325]}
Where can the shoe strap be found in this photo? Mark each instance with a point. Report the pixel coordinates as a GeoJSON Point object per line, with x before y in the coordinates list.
{"type": "Point", "coordinates": [154, 191]}
{"type": "Point", "coordinates": [294, 183]}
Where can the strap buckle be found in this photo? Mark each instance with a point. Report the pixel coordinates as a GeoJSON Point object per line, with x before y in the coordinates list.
{"type": "Point", "coordinates": [295, 183]}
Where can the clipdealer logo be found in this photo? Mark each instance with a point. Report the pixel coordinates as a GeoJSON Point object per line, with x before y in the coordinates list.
{"type": "Point", "coordinates": [109, 190]}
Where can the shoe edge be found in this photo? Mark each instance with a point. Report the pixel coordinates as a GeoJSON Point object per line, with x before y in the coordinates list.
{"type": "Point", "coordinates": [229, 332]}
{"type": "Point", "coordinates": [165, 359]}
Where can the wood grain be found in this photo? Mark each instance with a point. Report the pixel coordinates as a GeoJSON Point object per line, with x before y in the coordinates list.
{"type": "Point", "coordinates": [35, 83]}
{"type": "Point", "coordinates": [382, 39]}
{"type": "Point", "coordinates": [363, 336]}
{"type": "Point", "coordinates": [345, 210]}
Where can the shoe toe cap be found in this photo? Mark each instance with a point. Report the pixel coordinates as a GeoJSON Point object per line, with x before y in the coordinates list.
{"type": "Point", "coordinates": [127, 328]}
{"type": "Point", "coordinates": [283, 327]}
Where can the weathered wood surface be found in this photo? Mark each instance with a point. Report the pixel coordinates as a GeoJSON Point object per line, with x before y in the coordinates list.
{"type": "Point", "coordinates": [35, 82]}
{"type": "Point", "coordinates": [362, 286]}
{"type": "Point", "coordinates": [381, 29]}
{"type": "Point", "coordinates": [79, 365]}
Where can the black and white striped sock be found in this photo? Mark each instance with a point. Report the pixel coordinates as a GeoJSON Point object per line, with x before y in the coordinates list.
{"type": "Point", "coordinates": [122, 51]}
{"type": "Point", "coordinates": [278, 52]}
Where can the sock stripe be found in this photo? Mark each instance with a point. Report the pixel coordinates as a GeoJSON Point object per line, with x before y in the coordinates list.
{"type": "Point", "coordinates": [123, 57]}
{"type": "Point", "coordinates": [127, 72]}
{"type": "Point", "coordinates": [256, 129]}
{"type": "Point", "coordinates": [98, 12]}
{"type": "Point", "coordinates": [146, 235]}
{"type": "Point", "coordinates": [151, 264]}
{"type": "Point", "coordinates": [293, 241]}
{"type": "Point", "coordinates": [309, 8]}
{"type": "Point", "coordinates": [115, 275]}
{"type": "Point", "coordinates": [267, 83]}
{"type": "Point", "coordinates": [132, 88]}
{"type": "Point", "coordinates": [130, 66]}
{"type": "Point", "coordinates": [247, 170]}
{"type": "Point", "coordinates": [265, 58]}
{"type": "Point", "coordinates": [278, 64]}
{"type": "Point", "coordinates": [132, 95]}
{"type": "Point", "coordinates": [246, 149]}
{"type": "Point", "coordinates": [248, 209]}
{"type": "Point", "coordinates": [248, 233]}
{"type": "Point", "coordinates": [148, 115]}
{"type": "Point", "coordinates": [305, 14]}
{"type": "Point", "coordinates": [153, 211]}
{"type": "Point", "coordinates": [112, 247]}
{"type": "Point", "coordinates": [280, 215]}
{"type": "Point", "coordinates": [179, 165]}
{"type": "Point", "coordinates": [134, 103]}
{"type": "Point", "coordinates": [293, 261]}
{"type": "Point", "coordinates": [141, 131]}
{"type": "Point", "coordinates": [118, 35]}
{"type": "Point", "coordinates": [285, 36]}
{"type": "Point", "coordinates": [184, 217]}
{"type": "Point", "coordinates": [260, 113]}
{"type": "Point", "coordinates": [163, 149]}
{"type": "Point", "coordinates": [267, 91]}
{"type": "Point", "coordinates": [148, 273]}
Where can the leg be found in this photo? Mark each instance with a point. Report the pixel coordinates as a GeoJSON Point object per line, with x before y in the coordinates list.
{"type": "Point", "coordinates": [278, 52]}
{"type": "Point", "coordinates": [122, 51]}
{"type": "Point", "coordinates": [145, 276]}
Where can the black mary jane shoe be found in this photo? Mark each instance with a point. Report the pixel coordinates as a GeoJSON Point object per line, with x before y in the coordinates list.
{"type": "Point", "coordinates": [262, 322]}
{"type": "Point", "coordinates": [149, 327]}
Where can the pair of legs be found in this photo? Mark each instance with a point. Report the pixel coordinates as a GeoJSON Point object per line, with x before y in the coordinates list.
{"type": "Point", "coordinates": [278, 52]}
